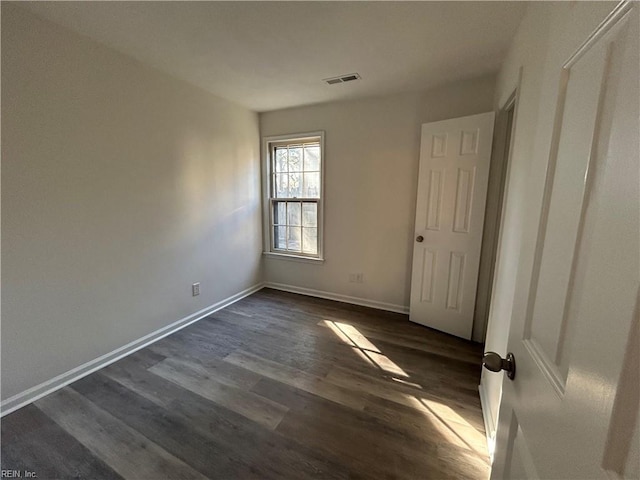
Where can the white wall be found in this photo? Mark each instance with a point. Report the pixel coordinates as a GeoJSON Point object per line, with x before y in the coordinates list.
{"type": "Point", "coordinates": [534, 56]}
{"type": "Point", "coordinates": [121, 186]}
{"type": "Point", "coordinates": [371, 174]}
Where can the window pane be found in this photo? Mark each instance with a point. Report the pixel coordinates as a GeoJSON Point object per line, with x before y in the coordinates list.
{"type": "Point", "coordinates": [311, 185]}
{"type": "Point", "coordinates": [279, 213]}
{"type": "Point", "coordinates": [281, 185]}
{"type": "Point", "coordinates": [280, 237]}
{"type": "Point", "coordinates": [281, 160]}
{"type": "Point", "coordinates": [295, 174]}
{"type": "Point", "coordinates": [312, 157]}
{"type": "Point", "coordinates": [295, 159]}
{"type": "Point", "coordinates": [294, 213]}
{"type": "Point", "coordinates": [309, 214]}
{"type": "Point", "coordinates": [295, 185]}
{"type": "Point", "coordinates": [310, 240]}
{"type": "Point", "coordinates": [294, 235]}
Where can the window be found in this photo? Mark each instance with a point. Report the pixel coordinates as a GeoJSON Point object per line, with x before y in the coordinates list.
{"type": "Point", "coordinates": [293, 207]}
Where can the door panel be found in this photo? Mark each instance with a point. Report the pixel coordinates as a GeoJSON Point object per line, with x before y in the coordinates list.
{"type": "Point", "coordinates": [428, 274]}
{"type": "Point", "coordinates": [434, 205]}
{"type": "Point", "coordinates": [576, 307]}
{"type": "Point", "coordinates": [564, 202]}
{"type": "Point", "coordinates": [464, 200]}
{"type": "Point", "coordinates": [452, 189]}
{"type": "Point", "coordinates": [520, 461]}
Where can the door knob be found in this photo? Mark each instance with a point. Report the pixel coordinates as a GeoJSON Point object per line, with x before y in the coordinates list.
{"type": "Point", "coordinates": [419, 238]}
{"type": "Point", "coordinates": [494, 362]}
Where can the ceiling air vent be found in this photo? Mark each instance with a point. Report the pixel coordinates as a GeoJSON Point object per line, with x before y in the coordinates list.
{"type": "Point", "coordinates": [342, 78]}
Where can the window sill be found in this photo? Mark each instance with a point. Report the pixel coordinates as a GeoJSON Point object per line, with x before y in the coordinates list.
{"type": "Point", "coordinates": [294, 258]}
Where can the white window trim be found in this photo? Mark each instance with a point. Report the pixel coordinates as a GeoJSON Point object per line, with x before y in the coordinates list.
{"type": "Point", "coordinates": [266, 199]}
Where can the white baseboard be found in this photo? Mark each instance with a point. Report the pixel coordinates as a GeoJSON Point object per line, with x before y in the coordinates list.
{"type": "Point", "coordinates": [391, 307]}
{"type": "Point", "coordinates": [34, 393]}
{"type": "Point", "coordinates": [489, 421]}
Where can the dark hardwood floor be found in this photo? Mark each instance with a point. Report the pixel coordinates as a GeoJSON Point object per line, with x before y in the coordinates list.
{"type": "Point", "coordinates": [276, 386]}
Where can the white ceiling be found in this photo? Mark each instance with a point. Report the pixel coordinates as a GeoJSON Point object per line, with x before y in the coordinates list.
{"type": "Point", "coordinates": [272, 55]}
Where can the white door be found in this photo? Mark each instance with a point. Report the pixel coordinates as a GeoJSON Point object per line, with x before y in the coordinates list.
{"type": "Point", "coordinates": [452, 192]}
{"type": "Point", "coordinates": [572, 409]}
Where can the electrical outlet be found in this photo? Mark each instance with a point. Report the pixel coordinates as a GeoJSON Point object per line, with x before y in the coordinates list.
{"type": "Point", "coordinates": [195, 289]}
{"type": "Point", "coordinates": [356, 278]}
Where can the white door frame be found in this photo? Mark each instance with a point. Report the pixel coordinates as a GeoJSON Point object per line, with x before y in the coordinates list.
{"type": "Point", "coordinates": [496, 194]}
{"type": "Point", "coordinates": [497, 327]}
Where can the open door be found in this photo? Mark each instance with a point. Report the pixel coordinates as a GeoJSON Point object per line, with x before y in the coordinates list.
{"type": "Point", "coordinates": [452, 192]}
{"type": "Point", "coordinates": [572, 409]}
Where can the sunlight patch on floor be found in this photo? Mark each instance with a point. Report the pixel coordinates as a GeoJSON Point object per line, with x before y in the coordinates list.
{"type": "Point", "coordinates": [408, 383]}
{"type": "Point", "coordinates": [444, 411]}
{"type": "Point", "coordinates": [364, 348]}
{"type": "Point", "coordinates": [364, 356]}
{"type": "Point", "coordinates": [358, 339]}
{"type": "Point", "coordinates": [452, 426]}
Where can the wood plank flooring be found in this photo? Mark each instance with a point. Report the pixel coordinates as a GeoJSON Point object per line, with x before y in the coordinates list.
{"type": "Point", "coordinates": [276, 386]}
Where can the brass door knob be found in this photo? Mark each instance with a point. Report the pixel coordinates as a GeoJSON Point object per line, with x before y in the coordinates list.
{"type": "Point", "coordinates": [419, 239]}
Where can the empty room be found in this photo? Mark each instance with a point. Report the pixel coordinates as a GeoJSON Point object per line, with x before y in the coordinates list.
{"type": "Point", "coordinates": [320, 239]}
